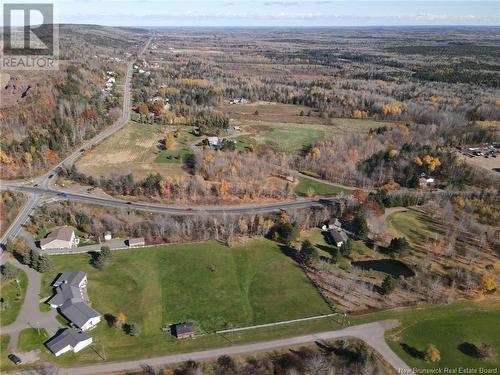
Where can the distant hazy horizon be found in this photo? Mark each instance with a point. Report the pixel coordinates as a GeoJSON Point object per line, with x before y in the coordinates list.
{"type": "Point", "coordinates": [285, 13]}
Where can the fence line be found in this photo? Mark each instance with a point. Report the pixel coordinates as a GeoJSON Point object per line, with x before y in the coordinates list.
{"type": "Point", "coordinates": [277, 323]}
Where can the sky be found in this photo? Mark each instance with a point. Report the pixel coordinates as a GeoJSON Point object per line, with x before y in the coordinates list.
{"type": "Point", "coordinates": [284, 13]}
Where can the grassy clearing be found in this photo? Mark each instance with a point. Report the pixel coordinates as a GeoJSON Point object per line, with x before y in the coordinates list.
{"type": "Point", "coordinates": [308, 185]}
{"type": "Point", "coordinates": [134, 149]}
{"type": "Point", "coordinates": [412, 225]}
{"type": "Point", "coordinates": [177, 155]}
{"type": "Point", "coordinates": [32, 339]}
{"type": "Point", "coordinates": [291, 138]}
{"type": "Point", "coordinates": [5, 363]}
{"type": "Point", "coordinates": [13, 294]}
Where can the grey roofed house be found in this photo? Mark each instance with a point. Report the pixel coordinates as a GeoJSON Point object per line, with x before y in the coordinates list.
{"type": "Point", "coordinates": [64, 293]}
{"type": "Point", "coordinates": [338, 236]}
{"type": "Point", "coordinates": [72, 278]}
{"type": "Point", "coordinates": [68, 337]}
{"type": "Point", "coordinates": [78, 312]}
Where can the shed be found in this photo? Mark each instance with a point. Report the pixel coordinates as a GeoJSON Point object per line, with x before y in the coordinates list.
{"type": "Point", "coordinates": [182, 330]}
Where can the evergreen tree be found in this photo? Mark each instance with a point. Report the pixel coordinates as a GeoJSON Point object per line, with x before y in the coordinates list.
{"type": "Point", "coordinates": [388, 285]}
{"type": "Point", "coordinates": [308, 253]}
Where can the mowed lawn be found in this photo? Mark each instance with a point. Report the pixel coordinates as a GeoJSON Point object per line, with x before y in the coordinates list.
{"type": "Point", "coordinates": [307, 185]}
{"type": "Point", "coordinates": [413, 225]}
{"type": "Point", "coordinates": [12, 293]}
{"type": "Point", "coordinates": [207, 283]}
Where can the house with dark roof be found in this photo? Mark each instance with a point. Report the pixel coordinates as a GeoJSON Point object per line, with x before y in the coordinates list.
{"type": "Point", "coordinates": [61, 238]}
{"type": "Point", "coordinates": [80, 314]}
{"type": "Point", "coordinates": [68, 339]}
{"type": "Point", "coordinates": [72, 301]}
{"type": "Point", "coordinates": [182, 330]}
{"type": "Point", "coordinates": [337, 237]}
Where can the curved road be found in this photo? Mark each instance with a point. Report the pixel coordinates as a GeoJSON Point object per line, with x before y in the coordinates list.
{"type": "Point", "coordinates": [371, 333]}
{"type": "Point", "coordinates": [44, 181]}
{"type": "Point", "coordinates": [176, 210]}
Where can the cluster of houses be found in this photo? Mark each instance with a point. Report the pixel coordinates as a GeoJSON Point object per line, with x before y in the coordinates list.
{"type": "Point", "coordinates": [142, 68]}
{"type": "Point", "coordinates": [334, 232]}
{"type": "Point", "coordinates": [238, 101]}
{"type": "Point", "coordinates": [71, 300]}
{"type": "Point", "coordinates": [110, 80]}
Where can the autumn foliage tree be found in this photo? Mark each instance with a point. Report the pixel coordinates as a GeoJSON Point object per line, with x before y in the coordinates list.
{"type": "Point", "coordinates": [432, 354]}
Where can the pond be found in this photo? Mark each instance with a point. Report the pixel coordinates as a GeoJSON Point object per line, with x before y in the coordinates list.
{"type": "Point", "coordinates": [393, 267]}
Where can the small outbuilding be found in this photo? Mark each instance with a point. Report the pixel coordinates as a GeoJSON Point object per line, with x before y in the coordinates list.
{"type": "Point", "coordinates": [107, 236]}
{"type": "Point", "coordinates": [182, 330]}
{"type": "Point", "coordinates": [136, 242]}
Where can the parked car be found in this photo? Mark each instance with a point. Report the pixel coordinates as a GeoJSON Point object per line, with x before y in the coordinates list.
{"type": "Point", "coordinates": [14, 358]}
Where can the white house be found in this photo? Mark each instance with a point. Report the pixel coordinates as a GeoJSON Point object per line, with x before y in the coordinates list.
{"type": "Point", "coordinates": [80, 314]}
{"type": "Point", "coordinates": [62, 238]}
{"type": "Point", "coordinates": [107, 236]}
{"type": "Point", "coordinates": [71, 299]}
{"type": "Point", "coordinates": [338, 237]}
{"type": "Point", "coordinates": [67, 340]}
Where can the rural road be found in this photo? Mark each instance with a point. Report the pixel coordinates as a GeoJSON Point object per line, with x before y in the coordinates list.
{"type": "Point", "coordinates": [371, 333]}
{"type": "Point", "coordinates": [44, 181]}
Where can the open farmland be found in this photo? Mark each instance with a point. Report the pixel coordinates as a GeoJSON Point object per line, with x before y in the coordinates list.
{"type": "Point", "coordinates": [206, 283]}
{"type": "Point", "coordinates": [293, 137]}
{"type": "Point", "coordinates": [135, 149]}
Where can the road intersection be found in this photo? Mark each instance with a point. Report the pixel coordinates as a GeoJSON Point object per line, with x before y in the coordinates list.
{"type": "Point", "coordinates": [30, 315]}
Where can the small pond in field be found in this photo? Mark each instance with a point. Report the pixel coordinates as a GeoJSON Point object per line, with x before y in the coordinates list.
{"type": "Point", "coordinates": [393, 267]}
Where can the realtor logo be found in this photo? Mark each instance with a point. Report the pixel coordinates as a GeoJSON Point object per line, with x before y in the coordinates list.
{"type": "Point", "coordinates": [29, 38]}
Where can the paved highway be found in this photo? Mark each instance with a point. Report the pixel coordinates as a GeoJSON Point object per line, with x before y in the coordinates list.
{"type": "Point", "coordinates": [175, 210]}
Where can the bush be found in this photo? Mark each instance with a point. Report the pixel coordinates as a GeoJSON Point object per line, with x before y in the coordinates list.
{"type": "Point", "coordinates": [8, 271]}
{"type": "Point", "coordinates": [308, 253]}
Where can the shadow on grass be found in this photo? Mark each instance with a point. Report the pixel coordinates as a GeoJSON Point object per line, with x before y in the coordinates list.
{"type": "Point", "coordinates": [414, 352]}
{"type": "Point", "coordinates": [289, 252]}
{"type": "Point", "coordinates": [469, 349]}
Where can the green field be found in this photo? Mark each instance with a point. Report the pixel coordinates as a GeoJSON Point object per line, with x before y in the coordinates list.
{"type": "Point", "coordinates": [178, 155]}
{"type": "Point", "coordinates": [413, 225]}
{"type": "Point", "coordinates": [13, 294]}
{"type": "Point", "coordinates": [206, 283]}
{"type": "Point", "coordinates": [307, 185]}
{"type": "Point", "coordinates": [291, 138]}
